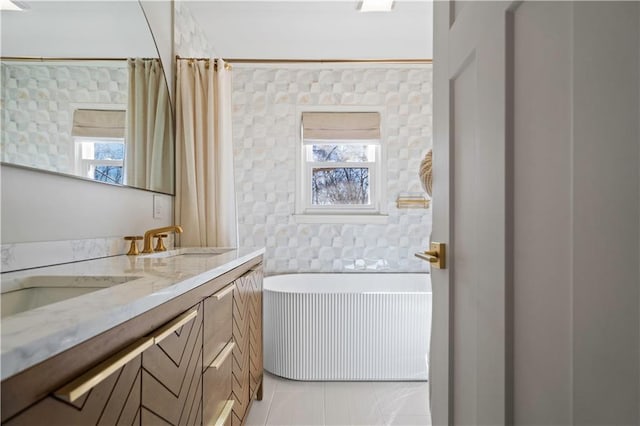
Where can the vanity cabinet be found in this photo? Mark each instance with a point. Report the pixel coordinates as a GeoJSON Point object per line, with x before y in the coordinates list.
{"type": "Point", "coordinates": [247, 334]}
{"type": "Point", "coordinates": [173, 364]}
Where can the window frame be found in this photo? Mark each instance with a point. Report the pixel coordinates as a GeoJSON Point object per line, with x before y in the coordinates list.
{"type": "Point", "coordinates": [81, 165]}
{"type": "Point", "coordinates": [375, 211]}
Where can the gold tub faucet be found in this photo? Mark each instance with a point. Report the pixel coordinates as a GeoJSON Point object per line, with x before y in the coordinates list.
{"type": "Point", "coordinates": [148, 236]}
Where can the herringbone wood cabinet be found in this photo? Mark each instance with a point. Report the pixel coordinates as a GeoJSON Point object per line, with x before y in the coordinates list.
{"type": "Point", "coordinates": [172, 374]}
{"type": "Point", "coordinates": [182, 371]}
{"type": "Point", "coordinates": [247, 333]}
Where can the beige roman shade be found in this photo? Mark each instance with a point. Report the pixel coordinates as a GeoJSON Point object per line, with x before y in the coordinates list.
{"type": "Point", "coordinates": [98, 123]}
{"type": "Point", "coordinates": [341, 125]}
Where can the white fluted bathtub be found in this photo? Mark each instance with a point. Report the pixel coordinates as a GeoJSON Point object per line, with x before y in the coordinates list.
{"type": "Point", "coordinates": [347, 326]}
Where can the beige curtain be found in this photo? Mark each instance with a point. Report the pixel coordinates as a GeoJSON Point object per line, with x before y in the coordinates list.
{"type": "Point", "coordinates": [149, 159]}
{"type": "Point", "coordinates": [205, 191]}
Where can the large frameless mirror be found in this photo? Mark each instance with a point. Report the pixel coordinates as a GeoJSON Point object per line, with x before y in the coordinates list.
{"type": "Point", "coordinates": [84, 93]}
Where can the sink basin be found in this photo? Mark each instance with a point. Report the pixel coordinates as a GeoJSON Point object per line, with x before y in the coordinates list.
{"type": "Point", "coordinates": [24, 294]}
{"type": "Point", "coordinates": [187, 251]}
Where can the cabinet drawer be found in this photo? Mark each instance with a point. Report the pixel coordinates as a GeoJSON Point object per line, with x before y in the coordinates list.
{"type": "Point", "coordinates": [217, 385]}
{"type": "Point", "coordinates": [108, 394]}
{"type": "Point", "coordinates": [217, 322]}
{"type": "Point", "coordinates": [172, 372]}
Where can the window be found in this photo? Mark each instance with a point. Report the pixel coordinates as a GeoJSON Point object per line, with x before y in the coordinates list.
{"type": "Point", "coordinates": [98, 136]}
{"type": "Point", "coordinates": [341, 163]}
{"type": "Point", "coordinates": [100, 159]}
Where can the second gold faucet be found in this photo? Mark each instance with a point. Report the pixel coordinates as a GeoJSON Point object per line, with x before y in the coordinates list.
{"type": "Point", "coordinates": [148, 236]}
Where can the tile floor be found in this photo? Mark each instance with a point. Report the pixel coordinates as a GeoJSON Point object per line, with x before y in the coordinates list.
{"type": "Point", "coordinates": [289, 402]}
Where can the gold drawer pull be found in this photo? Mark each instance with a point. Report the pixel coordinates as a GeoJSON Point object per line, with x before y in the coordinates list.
{"type": "Point", "coordinates": [224, 354]}
{"type": "Point", "coordinates": [224, 415]}
{"type": "Point", "coordinates": [166, 330]}
{"type": "Point", "coordinates": [83, 384]}
{"type": "Point", "coordinates": [222, 293]}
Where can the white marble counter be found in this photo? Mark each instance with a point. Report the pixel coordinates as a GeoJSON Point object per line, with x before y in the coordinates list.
{"type": "Point", "coordinates": [30, 337]}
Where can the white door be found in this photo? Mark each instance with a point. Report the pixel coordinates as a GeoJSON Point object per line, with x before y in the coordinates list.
{"type": "Point", "coordinates": [471, 338]}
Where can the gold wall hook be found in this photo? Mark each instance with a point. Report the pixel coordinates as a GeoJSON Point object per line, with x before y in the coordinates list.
{"type": "Point", "coordinates": [436, 256]}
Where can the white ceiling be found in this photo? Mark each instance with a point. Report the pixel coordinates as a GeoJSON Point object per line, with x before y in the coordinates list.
{"type": "Point", "coordinates": [75, 29]}
{"type": "Point", "coordinates": [329, 29]}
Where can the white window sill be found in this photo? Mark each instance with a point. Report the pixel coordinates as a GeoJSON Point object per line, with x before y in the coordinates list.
{"type": "Point", "coordinates": [376, 219]}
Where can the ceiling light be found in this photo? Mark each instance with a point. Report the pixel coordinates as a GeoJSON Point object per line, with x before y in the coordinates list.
{"type": "Point", "coordinates": [13, 5]}
{"type": "Point", "coordinates": [375, 5]}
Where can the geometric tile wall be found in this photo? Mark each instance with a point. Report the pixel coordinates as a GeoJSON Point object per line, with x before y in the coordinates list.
{"type": "Point", "coordinates": [265, 101]}
{"type": "Point", "coordinates": [37, 102]}
{"type": "Point", "coordinates": [189, 39]}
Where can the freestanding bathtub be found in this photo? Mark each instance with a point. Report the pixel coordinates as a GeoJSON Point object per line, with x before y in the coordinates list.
{"type": "Point", "coordinates": [356, 326]}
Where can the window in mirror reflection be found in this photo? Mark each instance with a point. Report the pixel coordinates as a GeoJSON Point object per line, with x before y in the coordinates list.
{"type": "Point", "coordinates": [100, 159]}
{"type": "Point", "coordinates": [98, 136]}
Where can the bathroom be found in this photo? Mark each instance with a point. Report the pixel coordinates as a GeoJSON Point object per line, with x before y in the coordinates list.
{"type": "Point", "coordinates": [266, 103]}
{"type": "Point", "coordinates": [531, 190]}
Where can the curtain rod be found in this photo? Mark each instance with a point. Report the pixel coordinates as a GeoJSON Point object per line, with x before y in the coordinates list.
{"type": "Point", "coordinates": [324, 61]}
{"type": "Point", "coordinates": [195, 59]}
{"type": "Point", "coordinates": [45, 59]}
{"type": "Point", "coordinates": [227, 66]}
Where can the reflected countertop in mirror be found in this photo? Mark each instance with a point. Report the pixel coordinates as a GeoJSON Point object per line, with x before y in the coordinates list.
{"type": "Point", "coordinates": [78, 79]}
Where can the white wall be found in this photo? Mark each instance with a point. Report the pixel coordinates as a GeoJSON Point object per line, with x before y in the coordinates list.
{"type": "Point", "coordinates": [40, 206]}
{"type": "Point", "coordinates": [577, 196]}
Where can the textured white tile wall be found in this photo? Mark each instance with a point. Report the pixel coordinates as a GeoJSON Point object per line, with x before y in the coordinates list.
{"type": "Point", "coordinates": [265, 103]}
{"type": "Point", "coordinates": [37, 102]}
{"type": "Point", "coordinates": [190, 40]}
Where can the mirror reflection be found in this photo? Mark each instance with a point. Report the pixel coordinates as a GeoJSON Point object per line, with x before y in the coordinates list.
{"type": "Point", "coordinates": [90, 102]}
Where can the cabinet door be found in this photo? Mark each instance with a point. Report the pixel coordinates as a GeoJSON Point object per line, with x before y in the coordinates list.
{"type": "Point", "coordinates": [172, 373]}
{"type": "Point", "coordinates": [218, 354]}
{"type": "Point", "coordinates": [255, 334]}
{"type": "Point", "coordinates": [247, 334]}
{"type": "Point", "coordinates": [218, 326]}
{"type": "Point", "coordinates": [217, 386]}
{"type": "Point", "coordinates": [108, 394]}
{"type": "Point", "coordinates": [241, 330]}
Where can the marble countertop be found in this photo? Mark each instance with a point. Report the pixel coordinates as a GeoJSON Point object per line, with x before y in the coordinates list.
{"type": "Point", "coordinates": [30, 337]}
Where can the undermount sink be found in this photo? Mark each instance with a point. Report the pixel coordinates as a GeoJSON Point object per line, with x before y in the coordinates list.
{"type": "Point", "coordinates": [23, 294]}
{"type": "Point", "coordinates": [187, 251]}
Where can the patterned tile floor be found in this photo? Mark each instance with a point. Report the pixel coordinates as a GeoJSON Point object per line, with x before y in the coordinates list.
{"type": "Point", "coordinates": [289, 402]}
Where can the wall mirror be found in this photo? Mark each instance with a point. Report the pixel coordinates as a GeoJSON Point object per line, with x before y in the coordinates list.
{"type": "Point", "coordinates": [84, 94]}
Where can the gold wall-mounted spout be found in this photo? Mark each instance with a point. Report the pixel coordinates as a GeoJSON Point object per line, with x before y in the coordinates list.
{"type": "Point", "coordinates": [148, 236]}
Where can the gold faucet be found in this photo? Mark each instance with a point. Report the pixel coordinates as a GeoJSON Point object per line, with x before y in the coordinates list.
{"type": "Point", "coordinates": [148, 236]}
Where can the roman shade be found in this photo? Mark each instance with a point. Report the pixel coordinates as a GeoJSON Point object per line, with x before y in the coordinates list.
{"type": "Point", "coordinates": [356, 126]}
{"type": "Point", "coordinates": [98, 123]}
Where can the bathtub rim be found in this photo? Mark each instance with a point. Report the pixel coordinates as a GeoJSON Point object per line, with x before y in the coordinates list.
{"type": "Point", "coordinates": [428, 290]}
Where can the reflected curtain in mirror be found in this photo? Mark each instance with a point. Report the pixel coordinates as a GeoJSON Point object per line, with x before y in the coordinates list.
{"type": "Point", "coordinates": [149, 160]}
{"type": "Point", "coordinates": [205, 190]}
